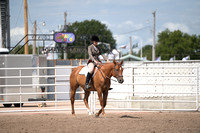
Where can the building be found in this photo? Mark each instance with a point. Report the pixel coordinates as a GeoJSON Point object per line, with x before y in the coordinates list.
{"type": "Point", "coordinates": [4, 24]}
{"type": "Point", "coordinates": [130, 57]}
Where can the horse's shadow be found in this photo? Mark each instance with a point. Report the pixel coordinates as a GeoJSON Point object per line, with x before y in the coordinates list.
{"type": "Point", "coordinates": [123, 116]}
{"type": "Point", "coordinates": [128, 116]}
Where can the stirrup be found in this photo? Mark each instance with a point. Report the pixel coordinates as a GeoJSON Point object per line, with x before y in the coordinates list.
{"type": "Point", "coordinates": [87, 86]}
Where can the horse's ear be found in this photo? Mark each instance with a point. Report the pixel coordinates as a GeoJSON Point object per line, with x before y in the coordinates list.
{"type": "Point", "coordinates": [114, 62]}
{"type": "Point", "coordinates": [121, 62]}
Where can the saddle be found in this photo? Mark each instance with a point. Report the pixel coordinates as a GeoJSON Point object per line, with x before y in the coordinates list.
{"type": "Point", "coordinates": [84, 71]}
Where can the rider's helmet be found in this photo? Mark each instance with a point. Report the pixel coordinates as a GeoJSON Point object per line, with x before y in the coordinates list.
{"type": "Point", "coordinates": [95, 38]}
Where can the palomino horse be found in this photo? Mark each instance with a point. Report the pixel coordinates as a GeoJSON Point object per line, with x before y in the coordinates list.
{"type": "Point", "coordinates": [100, 83]}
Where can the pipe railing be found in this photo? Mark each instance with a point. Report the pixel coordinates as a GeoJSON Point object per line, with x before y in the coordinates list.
{"type": "Point", "coordinates": [93, 97]}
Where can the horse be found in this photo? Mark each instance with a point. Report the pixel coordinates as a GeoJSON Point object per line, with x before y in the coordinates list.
{"type": "Point", "coordinates": [100, 83]}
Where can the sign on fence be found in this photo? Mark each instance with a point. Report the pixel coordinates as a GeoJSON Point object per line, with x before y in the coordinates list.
{"type": "Point", "coordinates": [60, 37]}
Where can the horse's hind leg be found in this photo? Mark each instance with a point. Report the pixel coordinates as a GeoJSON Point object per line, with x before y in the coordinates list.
{"type": "Point", "coordinates": [87, 94]}
{"type": "Point", "coordinates": [72, 101]}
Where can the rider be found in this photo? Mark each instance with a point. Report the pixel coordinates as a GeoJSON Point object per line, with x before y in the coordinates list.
{"type": "Point", "coordinates": [93, 51]}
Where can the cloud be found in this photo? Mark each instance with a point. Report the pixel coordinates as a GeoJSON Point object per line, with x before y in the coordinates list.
{"type": "Point", "coordinates": [16, 35]}
{"type": "Point", "coordinates": [121, 39]}
{"type": "Point", "coordinates": [128, 28]}
{"type": "Point", "coordinates": [125, 40]}
{"type": "Point", "coordinates": [18, 31]}
{"type": "Point", "coordinates": [123, 28]}
{"type": "Point", "coordinates": [176, 26]}
{"type": "Point", "coordinates": [109, 25]}
{"type": "Point", "coordinates": [149, 41]}
{"type": "Point", "coordinates": [129, 25]}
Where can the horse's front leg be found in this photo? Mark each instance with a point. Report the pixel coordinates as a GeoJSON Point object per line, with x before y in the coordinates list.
{"type": "Point", "coordinates": [87, 94]}
{"type": "Point", "coordinates": [102, 103]}
{"type": "Point", "coordinates": [105, 95]}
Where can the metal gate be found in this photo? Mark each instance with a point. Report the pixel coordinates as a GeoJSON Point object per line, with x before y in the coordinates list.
{"type": "Point", "coordinates": [146, 87]}
{"type": "Point", "coordinates": [170, 88]}
{"type": "Point", "coordinates": [62, 80]}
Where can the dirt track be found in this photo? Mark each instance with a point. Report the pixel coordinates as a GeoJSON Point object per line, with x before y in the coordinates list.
{"type": "Point", "coordinates": [114, 122]}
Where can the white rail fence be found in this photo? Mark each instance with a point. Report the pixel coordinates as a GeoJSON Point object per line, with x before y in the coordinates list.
{"type": "Point", "coordinates": [145, 88]}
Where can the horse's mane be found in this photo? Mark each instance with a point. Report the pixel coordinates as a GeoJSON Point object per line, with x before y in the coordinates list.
{"type": "Point", "coordinates": [105, 64]}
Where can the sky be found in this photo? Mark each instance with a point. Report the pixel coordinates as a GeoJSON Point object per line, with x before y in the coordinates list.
{"type": "Point", "coordinates": [124, 18]}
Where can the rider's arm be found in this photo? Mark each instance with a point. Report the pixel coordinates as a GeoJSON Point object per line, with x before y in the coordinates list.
{"type": "Point", "coordinates": [105, 58]}
{"type": "Point", "coordinates": [90, 54]}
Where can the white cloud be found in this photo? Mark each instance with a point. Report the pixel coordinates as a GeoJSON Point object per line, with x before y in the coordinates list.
{"type": "Point", "coordinates": [126, 29]}
{"type": "Point", "coordinates": [109, 25]}
{"type": "Point", "coordinates": [18, 31]}
{"type": "Point", "coordinates": [121, 39]}
{"type": "Point", "coordinates": [16, 35]}
{"type": "Point", "coordinates": [125, 39]}
{"type": "Point", "coordinates": [129, 25]}
{"type": "Point", "coordinates": [136, 38]}
{"type": "Point", "coordinates": [176, 26]}
{"type": "Point", "coordinates": [149, 41]}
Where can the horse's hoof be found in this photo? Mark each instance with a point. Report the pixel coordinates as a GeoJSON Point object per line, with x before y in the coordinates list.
{"type": "Point", "coordinates": [73, 115]}
{"type": "Point", "coordinates": [104, 115]}
{"type": "Point", "coordinates": [89, 113]}
{"type": "Point", "coordinates": [96, 115]}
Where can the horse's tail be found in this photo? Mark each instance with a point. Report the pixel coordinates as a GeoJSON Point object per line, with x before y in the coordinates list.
{"type": "Point", "coordinates": [73, 77]}
{"type": "Point", "coordinates": [74, 69]}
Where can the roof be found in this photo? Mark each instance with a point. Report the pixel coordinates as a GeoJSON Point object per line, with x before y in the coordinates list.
{"type": "Point", "coordinates": [4, 51]}
{"type": "Point", "coordinates": [132, 58]}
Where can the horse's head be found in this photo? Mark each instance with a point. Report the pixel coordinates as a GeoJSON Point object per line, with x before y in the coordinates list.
{"type": "Point", "coordinates": [118, 71]}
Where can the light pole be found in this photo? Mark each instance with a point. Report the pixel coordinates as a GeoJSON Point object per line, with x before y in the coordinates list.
{"type": "Point", "coordinates": [154, 35]}
{"type": "Point", "coordinates": [141, 49]}
{"type": "Point", "coordinates": [34, 37]}
{"type": "Point", "coordinates": [26, 27]}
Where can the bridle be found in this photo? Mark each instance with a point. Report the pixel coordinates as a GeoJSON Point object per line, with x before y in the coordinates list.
{"type": "Point", "coordinates": [106, 76]}
{"type": "Point", "coordinates": [117, 72]}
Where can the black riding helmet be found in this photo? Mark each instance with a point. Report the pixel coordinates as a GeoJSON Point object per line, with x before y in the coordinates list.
{"type": "Point", "coordinates": [95, 38]}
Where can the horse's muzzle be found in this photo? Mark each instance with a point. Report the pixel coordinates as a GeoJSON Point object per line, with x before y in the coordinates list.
{"type": "Point", "coordinates": [120, 80]}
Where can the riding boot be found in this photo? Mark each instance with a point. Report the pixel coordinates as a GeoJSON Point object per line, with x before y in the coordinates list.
{"type": "Point", "coordinates": [87, 85]}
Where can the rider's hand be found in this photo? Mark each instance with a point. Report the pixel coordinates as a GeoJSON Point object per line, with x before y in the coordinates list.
{"type": "Point", "coordinates": [107, 60]}
{"type": "Point", "coordinates": [97, 62]}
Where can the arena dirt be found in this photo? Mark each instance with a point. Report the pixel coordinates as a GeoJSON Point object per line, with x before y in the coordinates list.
{"type": "Point", "coordinates": [114, 122]}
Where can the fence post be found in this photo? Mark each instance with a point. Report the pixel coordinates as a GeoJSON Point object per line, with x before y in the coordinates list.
{"type": "Point", "coordinates": [20, 88]}
{"type": "Point", "coordinates": [92, 103]}
{"type": "Point", "coordinates": [197, 90]}
{"type": "Point", "coordinates": [163, 69]}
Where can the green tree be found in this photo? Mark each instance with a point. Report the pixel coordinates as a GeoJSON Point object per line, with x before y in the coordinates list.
{"type": "Point", "coordinates": [20, 50]}
{"type": "Point", "coordinates": [83, 32]}
{"type": "Point", "coordinates": [177, 44]}
{"type": "Point", "coordinates": [146, 52]}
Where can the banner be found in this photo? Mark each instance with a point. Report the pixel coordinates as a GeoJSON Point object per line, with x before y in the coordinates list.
{"type": "Point", "coordinates": [61, 37]}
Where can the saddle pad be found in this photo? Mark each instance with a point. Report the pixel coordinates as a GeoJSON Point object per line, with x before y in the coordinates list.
{"type": "Point", "coordinates": [84, 71]}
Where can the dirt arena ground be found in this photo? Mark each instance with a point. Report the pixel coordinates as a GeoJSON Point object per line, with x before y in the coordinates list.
{"type": "Point", "coordinates": [114, 122]}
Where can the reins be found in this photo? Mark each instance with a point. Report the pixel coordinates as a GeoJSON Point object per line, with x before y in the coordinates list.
{"type": "Point", "coordinates": [105, 75]}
